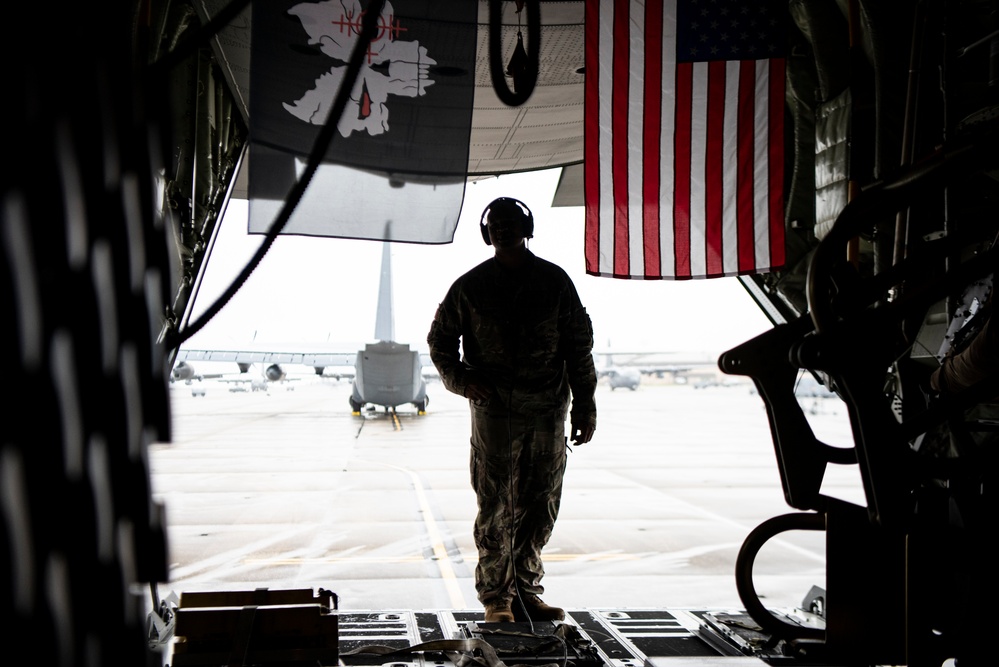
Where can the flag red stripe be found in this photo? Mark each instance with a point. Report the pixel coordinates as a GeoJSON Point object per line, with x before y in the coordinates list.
{"type": "Point", "coordinates": [591, 138]}
{"type": "Point", "coordinates": [652, 135]}
{"type": "Point", "coordinates": [681, 169]}
{"type": "Point", "coordinates": [619, 129]}
{"type": "Point", "coordinates": [714, 185]}
{"type": "Point", "coordinates": [745, 158]}
{"type": "Point", "coordinates": [776, 163]}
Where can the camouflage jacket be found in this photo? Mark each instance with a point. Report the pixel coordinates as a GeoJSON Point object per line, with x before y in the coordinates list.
{"type": "Point", "coordinates": [525, 331]}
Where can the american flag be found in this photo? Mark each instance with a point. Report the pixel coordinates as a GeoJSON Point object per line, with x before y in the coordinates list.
{"type": "Point", "coordinates": [684, 138]}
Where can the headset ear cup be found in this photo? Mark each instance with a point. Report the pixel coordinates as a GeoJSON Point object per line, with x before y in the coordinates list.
{"type": "Point", "coordinates": [482, 223]}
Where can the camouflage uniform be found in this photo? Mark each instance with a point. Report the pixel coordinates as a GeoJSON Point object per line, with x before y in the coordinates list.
{"type": "Point", "coordinates": [528, 334]}
{"type": "Point", "coordinates": [973, 360]}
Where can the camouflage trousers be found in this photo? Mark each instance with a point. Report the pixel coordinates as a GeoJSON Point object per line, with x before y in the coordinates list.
{"type": "Point", "coordinates": [517, 464]}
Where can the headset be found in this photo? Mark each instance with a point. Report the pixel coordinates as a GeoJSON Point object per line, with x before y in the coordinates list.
{"type": "Point", "coordinates": [527, 224]}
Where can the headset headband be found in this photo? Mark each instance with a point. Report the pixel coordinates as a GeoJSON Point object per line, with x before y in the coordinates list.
{"type": "Point", "coordinates": [528, 218]}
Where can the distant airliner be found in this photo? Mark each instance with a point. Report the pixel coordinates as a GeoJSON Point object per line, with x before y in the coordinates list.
{"type": "Point", "coordinates": [624, 370]}
{"type": "Point", "coordinates": [386, 373]}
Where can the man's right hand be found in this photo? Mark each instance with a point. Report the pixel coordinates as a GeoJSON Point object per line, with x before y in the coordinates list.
{"type": "Point", "coordinates": [582, 433]}
{"type": "Point", "coordinates": [478, 392]}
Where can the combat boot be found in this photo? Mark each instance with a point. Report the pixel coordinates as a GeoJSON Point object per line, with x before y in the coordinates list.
{"type": "Point", "coordinates": [539, 611]}
{"type": "Point", "coordinates": [498, 611]}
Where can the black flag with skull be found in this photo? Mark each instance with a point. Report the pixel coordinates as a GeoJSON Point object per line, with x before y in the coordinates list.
{"type": "Point", "coordinates": [402, 141]}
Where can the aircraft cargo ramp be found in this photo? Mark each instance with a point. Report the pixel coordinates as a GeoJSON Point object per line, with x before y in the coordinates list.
{"type": "Point", "coordinates": [588, 638]}
{"type": "Point", "coordinates": [292, 627]}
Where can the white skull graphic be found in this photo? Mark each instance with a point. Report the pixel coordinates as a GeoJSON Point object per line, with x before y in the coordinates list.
{"type": "Point", "coordinates": [392, 66]}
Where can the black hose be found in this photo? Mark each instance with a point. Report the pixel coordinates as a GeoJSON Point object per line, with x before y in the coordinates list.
{"type": "Point", "coordinates": [369, 28]}
{"type": "Point", "coordinates": [744, 573]}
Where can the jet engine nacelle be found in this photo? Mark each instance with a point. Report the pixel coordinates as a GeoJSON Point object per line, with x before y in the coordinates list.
{"type": "Point", "coordinates": [183, 371]}
{"type": "Point", "coordinates": [274, 373]}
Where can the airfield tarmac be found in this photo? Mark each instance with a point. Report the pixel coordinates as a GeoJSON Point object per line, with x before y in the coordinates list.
{"type": "Point", "coordinates": [287, 489]}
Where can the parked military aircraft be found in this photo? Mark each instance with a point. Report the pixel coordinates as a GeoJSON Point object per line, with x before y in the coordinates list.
{"type": "Point", "coordinates": [385, 373]}
{"type": "Point", "coordinates": [251, 377]}
{"type": "Point", "coordinates": [622, 378]}
{"type": "Point", "coordinates": [121, 156]}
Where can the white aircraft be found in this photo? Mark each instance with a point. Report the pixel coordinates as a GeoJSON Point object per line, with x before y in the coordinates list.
{"type": "Point", "coordinates": [385, 373]}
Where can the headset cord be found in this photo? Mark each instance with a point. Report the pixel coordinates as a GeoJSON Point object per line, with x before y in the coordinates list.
{"type": "Point", "coordinates": [513, 492]}
{"type": "Point", "coordinates": [513, 508]}
{"type": "Point", "coordinates": [512, 503]}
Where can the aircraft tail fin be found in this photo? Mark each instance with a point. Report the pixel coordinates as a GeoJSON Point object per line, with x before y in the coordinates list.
{"type": "Point", "coordinates": [384, 322]}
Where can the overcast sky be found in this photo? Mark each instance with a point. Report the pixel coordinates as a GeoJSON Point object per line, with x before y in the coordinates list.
{"type": "Point", "coordinates": [317, 290]}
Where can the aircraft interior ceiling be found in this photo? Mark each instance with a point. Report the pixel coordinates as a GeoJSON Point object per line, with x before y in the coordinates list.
{"type": "Point", "coordinates": [123, 157]}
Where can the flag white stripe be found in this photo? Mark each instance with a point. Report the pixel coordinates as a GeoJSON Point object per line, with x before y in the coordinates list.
{"type": "Point", "coordinates": [761, 171]}
{"type": "Point", "coordinates": [730, 166]}
{"type": "Point", "coordinates": [666, 140]}
{"type": "Point", "coordinates": [606, 87]}
{"type": "Point", "coordinates": [698, 141]}
{"type": "Point", "coordinates": [636, 135]}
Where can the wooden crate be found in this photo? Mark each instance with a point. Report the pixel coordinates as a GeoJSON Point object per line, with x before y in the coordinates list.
{"type": "Point", "coordinates": [258, 596]}
{"type": "Point", "coordinates": [259, 627]}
